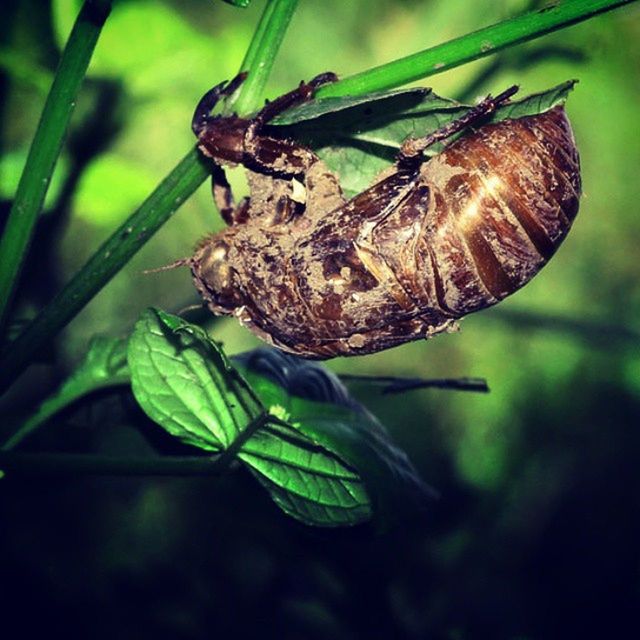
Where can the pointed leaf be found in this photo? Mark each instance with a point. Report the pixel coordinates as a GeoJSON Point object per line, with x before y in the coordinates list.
{"type": "Point", "coordinates": [183, 382]}
{"type": "Point", "coordinates": [307, 480]}
{"type": "Point", "coordinates": [345, 107]}
{"type": "Point", "coordinates": [328, 417]}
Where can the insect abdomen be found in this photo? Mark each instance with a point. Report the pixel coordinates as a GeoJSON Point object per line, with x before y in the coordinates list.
{"type": "Point", "coordinates": [501, 202]}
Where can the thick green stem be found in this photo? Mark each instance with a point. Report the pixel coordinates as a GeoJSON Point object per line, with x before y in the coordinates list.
{"type": "Point", "coordinates": [106, 262]}
{"type": "Point", "coordinates": [46, 146]}
{"type": "Point", "coordinates": [472, 46]}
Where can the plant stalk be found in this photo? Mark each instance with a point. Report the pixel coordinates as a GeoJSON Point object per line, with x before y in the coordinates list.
{"type": "Point", "coordinates": [261, 55]}
{"type": "Point", "coordinates": [83, 464]}
{"type": "Point", "coordinates": [46, 146]}
{"type": "Point", "coordinates": [64, 464]}
{"type": "Point", "coordinates": [471, 46]}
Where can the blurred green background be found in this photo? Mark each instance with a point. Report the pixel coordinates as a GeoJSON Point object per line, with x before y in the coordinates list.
{"type": "Point", "coordinates": [536, 533]}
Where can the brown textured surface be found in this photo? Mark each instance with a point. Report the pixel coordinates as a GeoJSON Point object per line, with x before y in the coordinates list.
{"type": "Point", "coordinates": [401, 261]}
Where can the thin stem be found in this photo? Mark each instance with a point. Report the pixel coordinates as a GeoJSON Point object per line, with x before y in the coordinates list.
{"type": "Point", "coordinates": [105, 263]}
{"type": "Point", "coordinates": [472, 46]}
{"type": "Point", "coordinates": [46, 146]}
{"type": "Point", "coordinates": [262, 54]}
{"type": "Point", "coordinates": [230, 453]}
{"type": "Point", "coordinates": [117, 250]}
{"type": "Point", "coordinates": [393, 384]}
{"type": "Point", "coordinates": [80, 464]}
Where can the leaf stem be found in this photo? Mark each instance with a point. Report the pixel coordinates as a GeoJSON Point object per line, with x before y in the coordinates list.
{"type": "Point", "coordinates": [105, 263]}
{"type": "Point", "coordinates": [261, 54]}
{"type": "Point", "coordinates": [469, 47]}
{"type": "Point", "coordinates": [46, 146]}
{"type": "Point", "coordinates": [394, 384]}
{"type": "Point", "coordinates": [82, 464]}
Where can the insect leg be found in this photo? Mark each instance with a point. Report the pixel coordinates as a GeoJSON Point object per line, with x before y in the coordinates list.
{"type": "Point", "coordinates": [289, 158]}
{"type": "Point", "coordinates": [224, 200]}
{"type": "Point", "coordinates": [303, 93]}
{"type": "Point", "coordinates": [412, 148]}
{"type": "Point", "coordinates": [209, 100]}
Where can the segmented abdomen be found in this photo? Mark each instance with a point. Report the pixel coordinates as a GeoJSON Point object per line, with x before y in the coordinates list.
{"type": "Point", "coordinates": [500, 203]}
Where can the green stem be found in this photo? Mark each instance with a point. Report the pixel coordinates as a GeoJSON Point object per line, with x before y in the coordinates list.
{"type": "Point", "coordinates": [46, 146]}
{"type": "Point", "coordinates": [105, 263]}
{"type": "Point", "coordinates": [262, 54]}
{"type": "Point", "coordinates": [81, 464]}
{"type": "Point", "coordinates": [472, 46]}
{"type": "Point", "coordinates": [116, 251]}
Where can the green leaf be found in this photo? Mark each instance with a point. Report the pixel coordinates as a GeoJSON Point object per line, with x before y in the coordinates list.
{"type": "Point", "coordinates": [239, 3]}
{"type": "Point", "coordinates": [341, 426]}
{"type": "Point", "coordinates": [536, 102]}
{"type": "Point", "coordinates": [105, 365]}
{"type": "Point", "coordinates": [385, 101]}
{"type": "Point", "coordinates": [357, 138]}
{"type": "Point", "coordinates": [306, 479]}
{"type": "Point", "coordinates": [183, 381]}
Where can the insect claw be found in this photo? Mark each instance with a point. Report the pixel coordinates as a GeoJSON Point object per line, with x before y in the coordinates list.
{"type": "Point", "coordinates": [209, 100]}
{"type": "Point", "coordinates": [505, 95]}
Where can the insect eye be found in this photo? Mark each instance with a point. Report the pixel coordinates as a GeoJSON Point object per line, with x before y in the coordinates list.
{"type": "Point", "coordinates": [217, 275]}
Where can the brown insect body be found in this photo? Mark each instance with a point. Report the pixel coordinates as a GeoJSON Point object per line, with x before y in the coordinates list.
{"type": "Point", "coordinates": [429, 242]}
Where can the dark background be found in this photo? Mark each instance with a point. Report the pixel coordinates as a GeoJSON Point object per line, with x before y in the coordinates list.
{"type": "Point", "coordinates": [536, 533]}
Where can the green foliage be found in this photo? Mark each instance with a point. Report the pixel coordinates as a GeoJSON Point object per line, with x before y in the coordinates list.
{"type": "Point", "coordinates": [319, 461]}
{"type": "Point", "coordinates": [184, 382]}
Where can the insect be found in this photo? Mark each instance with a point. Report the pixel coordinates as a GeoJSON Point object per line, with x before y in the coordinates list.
{"type": "Point", "coordinates": [430, 241]}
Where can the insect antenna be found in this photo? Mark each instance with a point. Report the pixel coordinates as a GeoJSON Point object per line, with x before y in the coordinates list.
{"type": "Point", "coordinates": [183, 262]}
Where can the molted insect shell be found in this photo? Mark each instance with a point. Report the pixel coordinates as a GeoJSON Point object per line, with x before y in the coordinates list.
{"type": "Point", "coordinates": [403, 260]}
